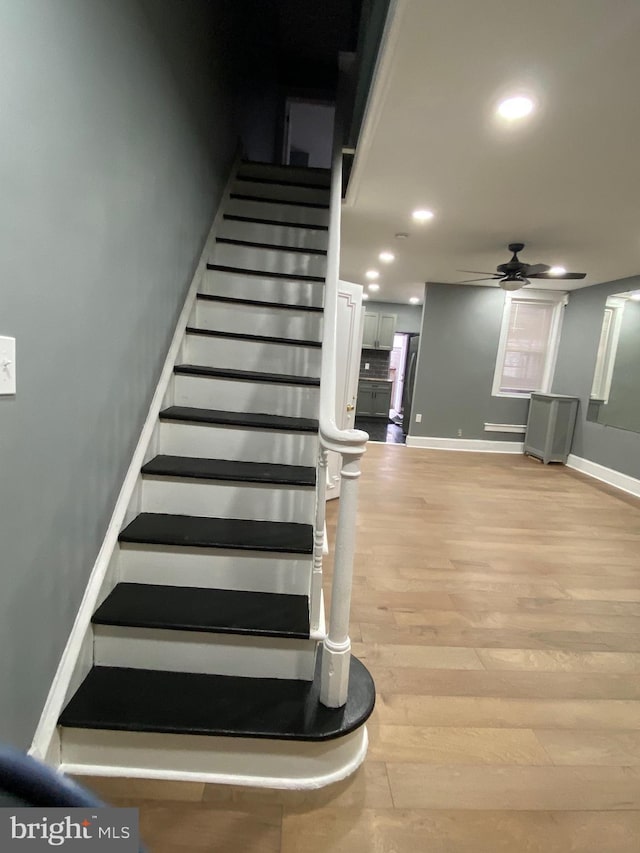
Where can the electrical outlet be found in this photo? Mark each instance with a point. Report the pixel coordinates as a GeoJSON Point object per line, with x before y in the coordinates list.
{"type": "Point", "coordinates": [366, 365]}
{"type": "Point", "coordinates": [418, 419]}
{"type": "Point", "coordinates": [459, 433]}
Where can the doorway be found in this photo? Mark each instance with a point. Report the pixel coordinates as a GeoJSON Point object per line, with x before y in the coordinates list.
{"type": "Point", "coordinates": [308, 133]}
{"type": "Point", "coordinates": [397, 363]}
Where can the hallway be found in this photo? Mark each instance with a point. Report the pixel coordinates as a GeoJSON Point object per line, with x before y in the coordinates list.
{"type": "Point", "coordinates": [496, 602]}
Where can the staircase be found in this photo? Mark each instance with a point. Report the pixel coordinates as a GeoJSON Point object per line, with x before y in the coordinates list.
{"type": "Point", "coordinates": [205, 665]}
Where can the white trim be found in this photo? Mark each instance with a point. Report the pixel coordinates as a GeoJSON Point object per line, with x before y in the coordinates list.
{"type": "Point", "coordinates": [624, 482]}
{"type": "Point", "coordinates": [380, 84]}
{"type": "Point", "coordinates": [45, 737]}
{"type": "Point", "coordinates": [516, 428]}
{"type": "Point", "coordinates": [304, 760]}
{"type": "Point", "coordinates": [561, 300]}
{"type": "Point", "coordinates": [477, 445]}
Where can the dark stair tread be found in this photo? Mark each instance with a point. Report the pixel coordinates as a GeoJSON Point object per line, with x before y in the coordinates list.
{"type": "Point", "coordinates": [241, 336]}
{"type": "Point", "coordinates": [273, 247]}
{"type": "Point", "coordinates": [140, 700]}
{"type": "Point", "coordinates": [212, 297]}
{"type": "Point", "coordinates": [224, 611]}
{"type": "Point", "coordinates": [309, 227]}
{"type": "Point", "coordinates": [285, 201]}
{"type": "Point", "coordinates": [259, 179]}
{"type": "Point", "coordinates": [244, 375]}
{"type": "Point", "coordinates": [289, 276]}
{"type": "Point", "coordinates": [254, 420]}
{"type": "Point", "coordinates": [228, 469]}
{"type": "Point", "coordinates": [242, 534]}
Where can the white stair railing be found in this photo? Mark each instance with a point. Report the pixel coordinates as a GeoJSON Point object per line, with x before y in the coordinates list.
{"type": "Point", "coordinates": [350, 444]}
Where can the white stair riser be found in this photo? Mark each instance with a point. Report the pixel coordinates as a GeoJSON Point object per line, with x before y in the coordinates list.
{"type": "Point", "coordinates": [253, 355]}
{"type": "Point", "coordinates": [279, 291]}
{"type": "Point", "coordinates": [206, 392]}
{"type": "Point", "coordinates": [258, 320]}
{"type": "Point", "coordinates": [240, 443]}
{"type": "Point", "coordinates": [211, 654]}
{"type": "Point", "coordinates": [277, 235]}
{"type": "Point", "coordinates": [256, 571]}
{"type": "Point", "coordinates": [221, 499]}
{"type": "Point", "coordinates": [277, 212]}
{"type": "Point", "coordinates": [269, 260]}
{"type": "Point", "coordinates": [287, 174]}
{"type": "Point", "coordinates": [281, 192]}
{"type": "Point", "coordinates": [241, 761]}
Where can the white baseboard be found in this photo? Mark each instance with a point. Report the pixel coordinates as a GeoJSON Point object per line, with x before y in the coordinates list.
{"type": "Point", "coordinates": [624, 482]}
{"type": "Point", "coordinates": [45, 744]}
{"type": "Point", "coordinates": [477, 445]}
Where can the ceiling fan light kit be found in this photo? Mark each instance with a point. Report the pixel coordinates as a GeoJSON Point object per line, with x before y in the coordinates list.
{"type": "Point", "coordinates": [514, 274]}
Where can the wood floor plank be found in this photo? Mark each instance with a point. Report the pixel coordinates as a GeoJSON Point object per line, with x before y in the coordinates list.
{"type": "Point", "coordinates": [408, 831]}
{"type": "Point", "coordinates": [478, 711]}
{"type": "Point", "coordinates": [604, 749]}
{"type": "Point", "coordinates": [559, 660]}
{"type": "Point", "coordinates": [455, 745]}
{"type": "Point", "coordinates": [428, 786]}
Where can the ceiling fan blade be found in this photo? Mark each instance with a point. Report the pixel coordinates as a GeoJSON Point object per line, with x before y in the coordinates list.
{"type": "Point", "coordinates": [480, 272]}
{"type": "Point", "coordinates": [469, 280]}
{"type": "Point", "coordinates": [565, 275]}
{"type": "Point", "coordinates": [534, 269]}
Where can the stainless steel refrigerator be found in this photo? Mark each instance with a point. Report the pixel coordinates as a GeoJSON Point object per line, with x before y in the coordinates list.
{"type": "Point", "coordinates": [410, 367]}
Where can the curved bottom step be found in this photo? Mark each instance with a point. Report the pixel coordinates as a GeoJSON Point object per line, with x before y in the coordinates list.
{"type": "Point", "coordinates": [295, 765]}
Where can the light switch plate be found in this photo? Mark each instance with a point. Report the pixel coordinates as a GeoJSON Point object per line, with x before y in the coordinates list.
{"type": "Point", "coordinates": [366, 365]}
{"type": "Point", "coordinates": [418, 419]}
{"type": "Point", "coordinates": [7, 365]}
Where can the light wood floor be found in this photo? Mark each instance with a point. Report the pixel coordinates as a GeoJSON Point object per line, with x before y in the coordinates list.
{"type": "Point", "coordinates": [497, 604]}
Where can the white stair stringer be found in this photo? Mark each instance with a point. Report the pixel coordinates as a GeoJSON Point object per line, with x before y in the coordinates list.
{"type": "Point", "coordinates": [258, 763]}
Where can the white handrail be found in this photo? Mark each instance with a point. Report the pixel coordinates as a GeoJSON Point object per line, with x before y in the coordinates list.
{"type": "Point", "coordinates": [350, 444]}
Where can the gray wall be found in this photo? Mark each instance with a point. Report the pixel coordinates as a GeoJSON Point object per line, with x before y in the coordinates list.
{"type": "Point", "coordinates": [458, 349]}
{"type": "Point", "coordinates": [606, 445]}
{"type": "Point", "coordinates": [111, 173]}
{"type": "Point", "coordinates": [409, 316]}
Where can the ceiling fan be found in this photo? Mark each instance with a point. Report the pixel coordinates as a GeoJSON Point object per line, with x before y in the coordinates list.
{"type": "Point", "coordinates": [515, 274]}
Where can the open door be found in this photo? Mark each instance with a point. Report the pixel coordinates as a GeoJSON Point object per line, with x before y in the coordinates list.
{"type": "Point", "coordinates": [349, 347]}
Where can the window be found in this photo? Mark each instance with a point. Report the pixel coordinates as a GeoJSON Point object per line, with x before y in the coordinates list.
{"type": "Point", "coordinates": [607, 348]}
{"type": "Point", "coordinates": [528, 342]}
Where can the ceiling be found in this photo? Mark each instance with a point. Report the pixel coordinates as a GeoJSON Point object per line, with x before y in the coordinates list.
{"type": "Point", "coordinates": [565, 181]}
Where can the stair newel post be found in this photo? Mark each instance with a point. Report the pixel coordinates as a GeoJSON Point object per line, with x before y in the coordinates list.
{"type": "Point", "coordinates": [336, 653]}
{"type": "Point", "coordinates": [315, 606]}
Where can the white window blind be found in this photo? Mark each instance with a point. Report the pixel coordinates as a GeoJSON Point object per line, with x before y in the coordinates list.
{"type": "Point", "coordinates": [528, 343]}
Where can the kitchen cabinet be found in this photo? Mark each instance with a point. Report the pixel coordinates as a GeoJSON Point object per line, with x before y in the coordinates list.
{"type": "Point", "coordinates": [379, 329]}
{"type": "Point", "coordinates": [550, 427]}
{"type": "Point", "coordinates": [374, 399]}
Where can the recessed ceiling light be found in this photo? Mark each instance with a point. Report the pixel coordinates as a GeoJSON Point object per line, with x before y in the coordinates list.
{"type": "Point", "coordinates": [421, 215]}
{"type": "Point", "coordinates": [372, 274]}
{"type": "Point", "coordinates": [515, 108]}
{"type": "Point", "coordinates": [365, 295]}
{"type": "Point", "coordinates": [386, 257]}
{"type": "Point", "coordinates": [557, 271]}
{"type": "Point", "coordinates": [414, 300]}
{"type": "Point", "coordinates": [374, 287]}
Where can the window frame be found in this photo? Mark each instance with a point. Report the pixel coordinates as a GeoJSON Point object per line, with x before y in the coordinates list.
{"type": "Point", "coordinates": [558, 299]}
